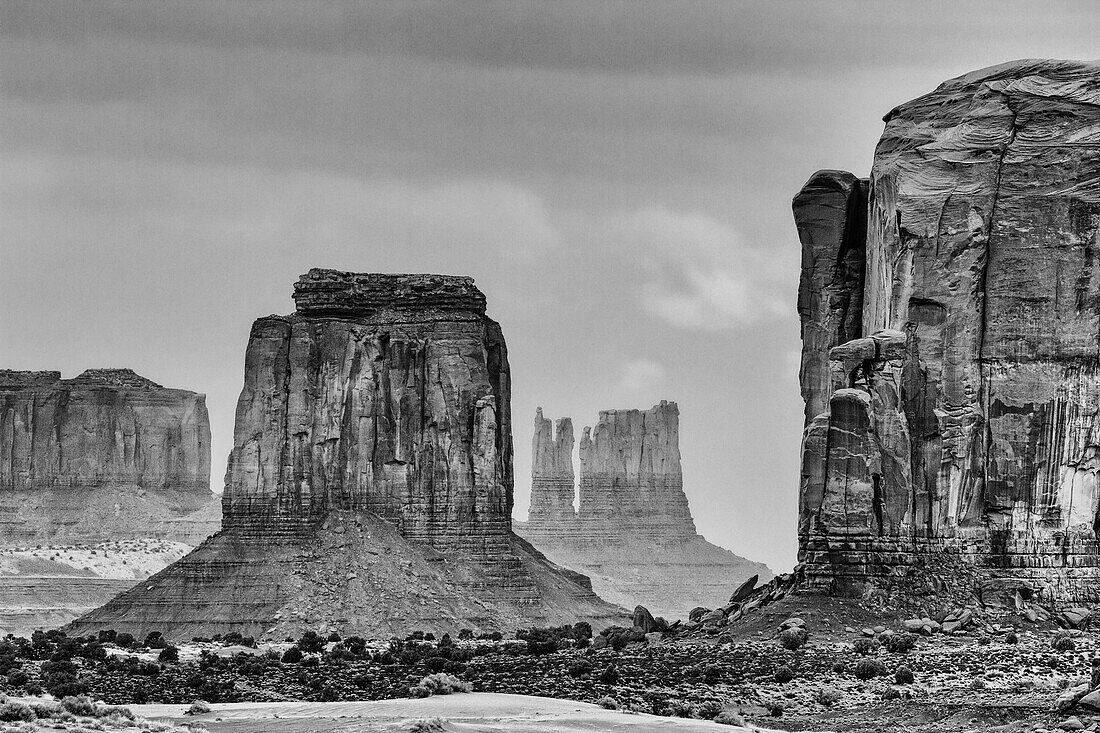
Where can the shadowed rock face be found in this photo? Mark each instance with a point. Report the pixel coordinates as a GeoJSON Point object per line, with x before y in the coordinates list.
{"type": "Point", "coordinates": [958, 409]}
{"type": "Point", "coordinates": [633, 534]}
{"type": "Point", "coordinates": [372, 446]}
{"type": "Point", "coordinates": [108, 455]}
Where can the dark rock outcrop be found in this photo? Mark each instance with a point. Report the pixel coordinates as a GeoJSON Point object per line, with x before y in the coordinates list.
{"type": "Point", "coordinates": [951, 339]}
{"type": "Point", "coordinates": [370, 483]}
{"type": "Point", "coordinates": [633, 533]}
{"type": "Point", "coordinates": [106, 456]}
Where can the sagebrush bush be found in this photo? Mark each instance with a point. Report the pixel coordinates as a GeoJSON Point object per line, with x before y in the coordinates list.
{"type": "Point", "coordinates": [865, 646]}
{"type": "Point", "coordinates": [868, 667]}
{"type": "Point", "coordinates": [783, 675]}
{"type": "Point", "coordinates": [899, 643]}
{"type": "Point", "coordinates": [198, 707]}
{"type": "Point", "coordinates": [1063, 643]}
{"type": "Point", "coordinates": [793, 638]}
{"type": "Point", "coordinates": [903, 676]}
{"type": "Point", "coordinates": [729, 717]}
{"type": "Point", "coordinates": [708, 710]}
{"type": "Point", "coordinates": [608, 703]}
{"type": "Point", "coordinates": [1011, 638]}
{"type": "Point", "coordinates": [827, 696]}
{"type": "Point", "coordinates": [17, 711]}
{"type": "Point", "coordinates": [439, 684]}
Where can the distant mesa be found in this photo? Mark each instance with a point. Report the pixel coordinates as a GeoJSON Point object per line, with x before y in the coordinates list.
{"type": "Point", "coordinates": [108, 455]}
{"type": "Point", "coordinates": [104, 479]}
{"type": "Point", "coordinates": [369, 488]}
{"type": "Point", "coordinates": [633, 533]}
{"type": "Point", "coordinates": [950, 310]}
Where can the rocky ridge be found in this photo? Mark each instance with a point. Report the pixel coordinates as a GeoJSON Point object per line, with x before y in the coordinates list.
{"type": "Point", "coordinates": [370, 482]}
{"type": "Point", "coordinates": [633, 533]}
{"type": "Point", "coordinates": [950, 312]}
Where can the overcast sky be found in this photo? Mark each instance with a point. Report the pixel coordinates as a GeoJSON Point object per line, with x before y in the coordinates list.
{"type": "Point", "coordinates": [617, 177]}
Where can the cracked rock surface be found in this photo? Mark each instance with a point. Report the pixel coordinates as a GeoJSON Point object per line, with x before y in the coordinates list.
{"type": "Point", "coordinates": [950, 311]}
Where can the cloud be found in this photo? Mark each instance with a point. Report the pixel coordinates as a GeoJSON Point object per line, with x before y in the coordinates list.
{"type": "Point", "coordinates": [698, 273]}
{"type": "Point", "coordinates": [638, 378]}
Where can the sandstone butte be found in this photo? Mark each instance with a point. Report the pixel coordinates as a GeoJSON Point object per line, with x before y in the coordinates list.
{"type": "Point", "coordinates": [950, 309]}
{"type": "Point", "coordinates": [107, 457]}
{"type": "Point", "coordinates": [369, 489]}
{"type": "Point", "coordinates": [633, 533]}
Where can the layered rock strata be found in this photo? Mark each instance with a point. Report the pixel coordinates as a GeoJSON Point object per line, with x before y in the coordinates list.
{"type": "Point", "coordinates": [108, 455]}
{"type": "Point", "coordinates": [633, 533]}
{"type": "Point", "coordinates": [951, 339]}
{"type": "Point", "coordinates": [372, 443]}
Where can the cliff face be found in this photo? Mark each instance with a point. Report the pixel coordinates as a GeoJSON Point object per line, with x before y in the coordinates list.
{"type": "Point", "coordinates": [633, 534]}
{"type": "Point", "coordinates": [951, 337]}
{"type": "Point", "coordinates": [374, 421]}
{"type": "Point", "coordinates": [108, 455]}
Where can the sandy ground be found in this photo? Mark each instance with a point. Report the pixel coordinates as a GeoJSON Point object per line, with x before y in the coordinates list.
{"type": "Point", "coordinates": [478, 712]}
{"type": "Point", "coordinates": [124, 559]}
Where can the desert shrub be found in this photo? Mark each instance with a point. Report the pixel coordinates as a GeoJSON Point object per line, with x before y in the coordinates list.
{"type": "Point", "coordinates": [827, 696]}
{"type": "Point", "coordinates": [18, 678]}
{"type": "Point", "coordinates": [311, 642]}
{"type": "Point", "coordinates": [293, 655]}
{"type": "Point", "coordinates": [708, 710]}
{"type": "Point", "coordinates": [465, 634]}
{"type": "Point", "coordinates": [1063, 643]}
{"type": "Point", "coordinates": [329, 694]}
{"type": "Point", "coordinates": [15, 711]}
{"type": "Point", "coordinates": [899, 643]}
{"type": "Point", "coordinates": [427, 725]}
{"type": "Point", "coordinates": [903, 676]}
{"type": "Point", "coordinates": [198, 707]}
{"type": "Point", "coordinates": [679, 709]}
{"type": "Point", "coordinates": [783, 675]}
{"type": "Point", "coordinates": [608, 703]}
{"type": "Point", "coordinates": [155, 640]}
{"type": "Point", "coordinates": [840, 667]}
{"type": "Point", "coordinates": [107, 637]}
{"type": "Point", "coordinates": [865, 646]}
{"type": "Point", "coordinates": [868, 667]}
{"type": "Point", "coordinates": [1011, 638]}
{"type": "Point", "coordinates": [582, 630]}
{"type": "Point", "coordinates": [334, 637]}
{"type": "Point", "coordinates": [978, 684]}
{"type": "Point", "coordinates": [891, 693]}
{"type": "Point", "coordinates": [311, 662]}
{"type": "Point", "coordinates": [361, 681]}
{"type": "Point", "coordinates": [438, 684]}
{"type": "Point", "coordinates": [63, 684]}
{"type": "Point", "coordinates": [124, 640]}
{"type": "Point", "coordinates": [169, 654]}
{"type": "Point", "coordinates": [775, 708]}
{"type": "Point", "coordinates": [729, 717]}
{"type": "Point", "coordinates": [580, 667]}
{"type": "Point", "coordinates": [793, 638]}
{"type": "Point", "coordinates": [79, 705]}
{"type": "Point", "coordinates": [610, 675]}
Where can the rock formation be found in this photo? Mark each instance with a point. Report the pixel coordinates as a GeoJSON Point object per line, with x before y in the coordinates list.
{"type": "Point", "coordinates": [106, 456]}
{"type": "Point", "coordinates": [370, 483]}
{"type": "Point", "coordinates": [950, 314]}
{"type": "Point", "coordinates": [633, 533]}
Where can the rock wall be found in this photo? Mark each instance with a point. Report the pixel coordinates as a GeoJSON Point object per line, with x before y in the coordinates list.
{"type": "Point", "coordinates": [633, 533]}
{"type": "Point", "coordinates": [375, 422]}
{"type": "Point", "coordinates": [108, 455]}
{"type": "Point", "coordinates": [951, 338]}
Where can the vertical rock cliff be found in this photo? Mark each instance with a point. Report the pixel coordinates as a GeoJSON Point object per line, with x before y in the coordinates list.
{"type": "Point", "coordinates": [370, 482]}
{"type": "Point", "coordinates": [633, 534]}
{"type": "Point", "coordinates": [552, 481]}
{"type": "Point", "coordinates": [108, 455]}
{"type": "Point", "coordinates": [958, 410]}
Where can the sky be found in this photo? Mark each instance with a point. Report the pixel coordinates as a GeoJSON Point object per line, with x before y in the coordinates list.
{"type": "Point", "coordinates": [616, 176]}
